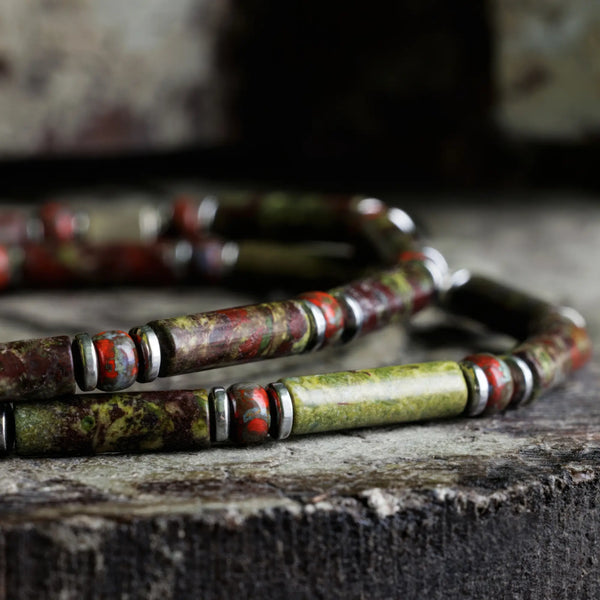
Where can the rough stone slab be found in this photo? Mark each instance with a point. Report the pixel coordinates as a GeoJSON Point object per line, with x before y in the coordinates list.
{"type": "Point", "coordinates": [89, 77]}
{"type": "Point", "coordinates": [547, 68]}
{"type": "Point", "coordinates": [499, 507]}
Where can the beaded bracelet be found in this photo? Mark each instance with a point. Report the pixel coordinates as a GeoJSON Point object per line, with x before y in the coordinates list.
{"type": "Point", "coordinates": [556, 344]}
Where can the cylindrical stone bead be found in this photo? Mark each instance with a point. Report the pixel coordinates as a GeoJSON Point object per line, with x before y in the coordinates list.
{"type": "Point", "coordinates": [117, 360]}
{"type": "Point", "coordinates": [380, 396]}
{"type": "Point", "coordinates": [332, 311]}
{"type": "Point", "coordinates": [498, 306]}
{"type": "Point", "coordinates": [390, 295]}
{"type": "Point", "coordinates": [230, 336]}
{"type": "Point", "coordinates": [499, 378]}
{"type": "Point", "coordinates": [36, 369]}
{"type": "Point", "coordinates": [250, 414]}
{"type": "Point", "coordinates": [128, 422]}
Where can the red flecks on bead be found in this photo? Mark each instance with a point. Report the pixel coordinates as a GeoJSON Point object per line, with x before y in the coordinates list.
{"type": "Point", "coordinates": [185, 215]}
{"type": "Point", "coordinates": [580, 347]}
{"type": "Point", "coordinates": [251, 416]}
{"type": "Point", "coordinates": [499, 377]}
{"type": "Point", "coordinates": [58, 220]}
{"type": "Point", "coordinates": [410, 255]}
{"type": "Point", "coordinates": [331, 309]}
{"type": "Point", "coordinates": [4, 267]}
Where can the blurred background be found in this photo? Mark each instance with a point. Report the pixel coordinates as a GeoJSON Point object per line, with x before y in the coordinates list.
{"type": "Point", "coordinates": [421, 95]}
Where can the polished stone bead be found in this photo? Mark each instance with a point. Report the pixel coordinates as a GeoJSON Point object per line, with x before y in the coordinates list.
{"type": "Point", "coordinates": [117, 360]}
{"type": "Point", "coordinates": [499, 377]}
{"type": "Point", "coordinates": [332, 311]}
{"type": "Point", "coordinates": [251, 417]}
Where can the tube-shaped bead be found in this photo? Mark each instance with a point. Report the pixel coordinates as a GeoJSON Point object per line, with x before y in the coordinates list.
{"type": "Point", "coordinates": [36, 369]}
{"type": "Point", "coordinates": [378, 396]}
{"type": "Point", "coordinates": [234, 335]}
{"type": "Point", "coordinates": [128, 422]}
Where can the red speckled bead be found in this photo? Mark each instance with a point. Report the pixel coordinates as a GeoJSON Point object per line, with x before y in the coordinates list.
{"type": "Point", "coordinates": [332, 311]}
{"type": "Point", "coordinates": [117, 360]}
{"type": "Point", "coordinates": [251, 418]}
{"type": "Point", "coordinates": [499, 377]}
{"type": "Point", "coordinates": [58, 221]}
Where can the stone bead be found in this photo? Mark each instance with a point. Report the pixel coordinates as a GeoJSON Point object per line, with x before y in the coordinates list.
{"type": "Point", "coordinates": [332, 311]}
{"type": "Point", "coordinates": [250, 414]}
{"type": "Point", "coordinates": [499, 378]}
{"type": "Point", "coordinates": [390, 295]}
{"type": "Point", "coordinates": [117, 360]}
{"type": "Point", "coordinates": [498, 306]}
{"type": "Point", "coordinates": [232, 336]}
{"type": "Point", "coordinates": [36, 369]}
{"type": "Point", "coordinates": [381, 396]}
{"type": "Point", "coordinates": [59, 221]}
{"type": "Point", "coordinates": [128, 422]}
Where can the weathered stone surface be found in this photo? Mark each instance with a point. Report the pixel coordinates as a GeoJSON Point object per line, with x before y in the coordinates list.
{"type": "Point", "coordinates": [505, 506]}
{"type": "Point", "coordinates": [548, 68]}
{"type": "Point", "coordinates": [105, 77]}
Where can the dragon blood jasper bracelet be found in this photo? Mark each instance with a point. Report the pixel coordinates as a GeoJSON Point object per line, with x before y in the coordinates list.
{"type": "Point", "coordinates": [41, 414]}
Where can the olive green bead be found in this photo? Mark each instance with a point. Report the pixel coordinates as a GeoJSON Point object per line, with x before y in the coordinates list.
{"type": "Point", "coordinates": [378, 396]}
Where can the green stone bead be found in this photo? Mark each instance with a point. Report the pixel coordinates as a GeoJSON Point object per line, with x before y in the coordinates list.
{"type": "Point", "coordinates": [378, 396]}
{"type": "Point", "coordinates": [127, 422]}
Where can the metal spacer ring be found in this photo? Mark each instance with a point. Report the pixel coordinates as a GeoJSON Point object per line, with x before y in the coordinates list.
{"type": "Point", "coordinates": [7, 428]}
{"type": "Point", "coordinates": [354, 316]}
{"type": "Point", "coordinates": [86, 362]}
{"type": "Point", "coordinates": [479, 388]}
{"type": "Point", "coordinates": [319, 325]}
{"type": "Point", "coordinates": [148, 349]}
{"type": "Point", "coordinates": [283, 411]}
{"type": "Point", "coordinates": [220, 414]}
{"type": "Point", "coordinates": [527, 381]}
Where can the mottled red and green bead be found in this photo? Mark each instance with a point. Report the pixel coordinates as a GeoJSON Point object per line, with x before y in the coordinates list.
{"type": "Point", "coordinates": [232, 336]}
{"type": "Point", "coordinates": [390, 295]}
{"type": "Point", "coordinates": [498, 306]}
{"type": "Point", "coordinates": [499, 377]}
{"type": "Point", "coordinates": [332, 311]}
{"type": "Point", "coordinates": [117, 360]}
{"type": "Point", "coordinates": [36, 369]}
{"type": "Point", "coordinates": [251, 417]}
{"type": "Point", "coordinates": [128, 422]}
{"type": "Point", "coordinates": [380, 396]}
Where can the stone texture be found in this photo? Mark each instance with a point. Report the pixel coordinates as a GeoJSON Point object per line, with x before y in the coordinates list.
{"type": "Point", "coordinates": [505, 506]}
{"type": "Point", "coordinates": [547, 68]}
{"type": "Point", "coordinates": [105, 77]}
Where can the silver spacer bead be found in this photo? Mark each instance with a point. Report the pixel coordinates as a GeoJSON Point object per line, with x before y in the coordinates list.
{"type": "Point", "coordinates": [86, 362]}
{"type": "Point", "coordinates": [282, 412]}
{"type": "Point", "coordinates": [478, 386]}
{"type": "Point", "coordinates": [526, 383]}
{"type": "Point", "coordinates": [437, 266]}
{"type": "Point", "coordinates": [353, 314]}
{"type": "Point", "coordinates": [148, 349]}
{"type": "Point", "coordinates": [401, 220]}
{"type": "Point", "coordinates": [220, 411]}
{"type": "Point", "coordinates": [319, 325]}
{"type": "Point", "coordinates": [571, 315]}
{"type": "Point", "coordinates": [7, 429]}
{"type": "Point", "coordinates": [207, 211]}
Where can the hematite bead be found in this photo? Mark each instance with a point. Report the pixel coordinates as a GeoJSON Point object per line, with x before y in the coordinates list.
{"type": "Point", "coordinates": [318, 326]}
{"type": "Point", "coordinates": [499, 378]}
{"type": "Point", "coordinates": [7, 428]}
{"type": "Point", "coordinates": [127, 422]}
{"type": "Point", "coordinates": [148, 352]}
{"type": "Point", "coordinates": [220, 421]}
{"type": "Point", "coordinates": [117, 360]}
{"type": "Point", "coordinates": [36, 369]}
{"type": "Point", "coordinates": [282, 411]}
{"type": "Point", "coordinates": [332, 311]}
{"type": "Point", "coordinates": [251, 417]}
{"type": "Point", "coordinates": [522, 380]}
{"type": "Point", "coordinates": [85, 361]}
{"type": "Point", "coordinates": [479, 388]}
{"type": "Point", "coordinates": [353, 316]}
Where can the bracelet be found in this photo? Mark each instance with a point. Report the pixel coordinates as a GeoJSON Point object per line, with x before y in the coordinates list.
{"type": "Point", "coordinates": [556, 343]}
